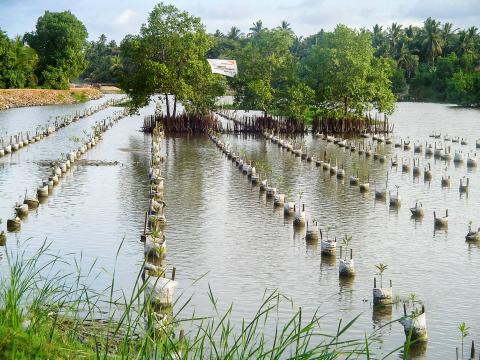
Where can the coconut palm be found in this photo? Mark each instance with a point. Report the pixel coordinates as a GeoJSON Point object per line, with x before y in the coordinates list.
{"type": "Point", "coordinates": [379, 41]}
{"type": "Point", "coordinates": [432, 39]}
{"type": "Point", "coordinates": [234, 33]}
{"type": "Point", "coordinates": [466, 41]}
{"type": "Point", "coordinates": [447, 36]}
{"type": "Point", "coordinates": [257, 27]}
{"type": "Point", "coordinates": [285, 25]}
{"type": "Point", "coordinates": [406, 60]}
{"type": "Point", "coordinates": [394, 34]}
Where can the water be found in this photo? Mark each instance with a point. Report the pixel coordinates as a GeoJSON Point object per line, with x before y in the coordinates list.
{"type": "Point", "coordinates": [221, 232]}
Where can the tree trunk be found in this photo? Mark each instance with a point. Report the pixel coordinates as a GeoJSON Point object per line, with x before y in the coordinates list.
{"type": "Point", "coordinates": [174, 106]}
{"type": "Point", "coordinates": [168, 105]}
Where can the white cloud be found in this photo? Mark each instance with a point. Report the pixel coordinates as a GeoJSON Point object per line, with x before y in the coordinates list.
{"type": "Point", "coordinates": [125, 17]}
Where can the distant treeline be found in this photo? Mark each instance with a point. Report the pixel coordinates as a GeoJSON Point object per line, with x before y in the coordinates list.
{"type": "Point", "coordinates": [55, 53]}
{"type": "Point", "coordinates": [279, 72]}
{"type": "Point", "coordinates": [435, 62]}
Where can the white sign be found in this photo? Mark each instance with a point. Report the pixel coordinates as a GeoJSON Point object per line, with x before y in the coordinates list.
{"type": "Point", "coordinates": [223, 67]}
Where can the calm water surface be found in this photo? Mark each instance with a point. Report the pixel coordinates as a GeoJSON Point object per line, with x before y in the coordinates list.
{"type": "Point", "coordinates": [223, 232]}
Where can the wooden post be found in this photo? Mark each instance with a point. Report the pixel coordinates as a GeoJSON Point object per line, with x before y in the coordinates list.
{"type": "Point", "coordinates": [174, 270]}
{"type": "Point", "coordinates": [145, 223]}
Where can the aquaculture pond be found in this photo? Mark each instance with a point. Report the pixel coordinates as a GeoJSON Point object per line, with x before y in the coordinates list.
{"type": "Point", "coordinates": [223, 233]}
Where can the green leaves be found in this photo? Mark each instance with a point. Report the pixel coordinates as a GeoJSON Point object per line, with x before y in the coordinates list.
{"type": "Point", "coordinates": [59, 40]}
{"type": "Point", "coordinates": [169, 57]}
{"type": "Point", "coordinates": [344, 74]}
{"type": "Point", "coordinates": [381, 268]}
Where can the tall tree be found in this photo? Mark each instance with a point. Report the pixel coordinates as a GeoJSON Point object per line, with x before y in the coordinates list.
{"type": "Point", "coordinates": [394, 34]}
{"type": "Point", "coordinates": [168, 57]}
{"type": "Point", "coordinates": [345, 75]}
{"type": "Point", "coordinates": [432, 40]}
{"type": "Point", "coordinates": [257, 27]}
{"type": "Point", "coordinates": [17, 63]}
{"type": "Point", "coordinates": [59, 40]}
{"type": "Point", "coordinates": [268, 75]}
{"type": "Point", "coordinates": [448, 33]}
{"type": "Point", "coordinates": [234, 33]}
{"type": "Point", "coordinates": [285, 25]}
{"type": "Point", "coordinates": [102, 61]}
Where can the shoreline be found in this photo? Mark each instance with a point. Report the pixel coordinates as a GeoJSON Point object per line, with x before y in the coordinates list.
{"type": "Point", "coordinates": [15, 98]}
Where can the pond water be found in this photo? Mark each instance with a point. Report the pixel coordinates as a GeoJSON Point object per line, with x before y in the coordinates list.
{"type": "Point", "coordinates": [224, 234]}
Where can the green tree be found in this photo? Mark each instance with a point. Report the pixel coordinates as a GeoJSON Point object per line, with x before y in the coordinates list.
{"type": "Point", "coordinates": [103, 59]}
{"type": "Point", "coordinates": [345, 75]}
{"type": "Point", "coordinates": [59, 40]}
{"type": "Point", "coordinates": [394, 34]}
{"type": "Point", "coordinates": [17, 63]}
{"type": "Point", "coordinates": [168, 57]}
{"type": "Point", "coordinates": [406, 60]}
{"type": "Point", "coordinates": [432, 40]}
{"type": "Point", "coordinates": [268, 78]}
{"type": "Point", "coordinates": [234, 33]}
{"type": "Point", "coordinates": [257, 27]}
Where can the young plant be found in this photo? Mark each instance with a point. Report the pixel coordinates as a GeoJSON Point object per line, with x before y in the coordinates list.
{"type": "Point", "coordinates": [381, 269]}
{"type": "Point", "coordinates": [300, 194]}
{"type": "Point", "coordinates": [346, 242]}
{"type": "Point", "coordinates": [463, 333]}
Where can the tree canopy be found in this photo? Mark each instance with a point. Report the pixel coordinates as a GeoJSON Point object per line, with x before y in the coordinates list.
{"type": "Point", "coordinates": [103, 61]}
{"type": "Point", "coordinates": [169, 57]}
{"type": "Point", "coordinates": [346, 76]}
{"type": "Point", "coordinates": [17, 63]}
{"type": "Point", "coordinates": [59, 40]}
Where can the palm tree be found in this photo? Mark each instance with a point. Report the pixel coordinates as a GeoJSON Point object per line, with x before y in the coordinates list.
{"type": "Point", "coordinates": [257, 27]}
{"type": "Point", "coordinates": [447, 36]}
{"type": "Point", "coordinates": [378, 41]}
{"type": "Point", "coordinates": [467, 40]}
{"type": "Point", "coordinates": [432, 39]}
{"type": "Point", "coordinates": [394, 34]}
{"type": "Point", "coordinates": [285, 25]}
{"type": "Point", "coordinates": [406, 60]}
{"type": "Point", "coordinates": [234, 33]}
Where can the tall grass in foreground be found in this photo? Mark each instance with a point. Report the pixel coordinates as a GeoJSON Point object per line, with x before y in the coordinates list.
{"type": "Point", "coordinates": [48, 314]}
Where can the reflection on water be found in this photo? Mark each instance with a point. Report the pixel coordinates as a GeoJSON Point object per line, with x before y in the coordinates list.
{"type": "Point", "coordinates": [221, 226]}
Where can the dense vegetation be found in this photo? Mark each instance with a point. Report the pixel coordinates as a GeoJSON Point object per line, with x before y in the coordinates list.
{"type": "Point", "coordinates": [279, 72]}
{"type": "Point", "coordinates": [103, 61]}
{"type": "Point", "coordinates": [168, 57]}
{"type": "Point", "coordinates": [59, 40]}
{"type": "Point", "coordinates": [436, 62]}
{"type": "Point", "coordinates": [50, 56]}
{"type": "Point", "coordinates": [17, 63]}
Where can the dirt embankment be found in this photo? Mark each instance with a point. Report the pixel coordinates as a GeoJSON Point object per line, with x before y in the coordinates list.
{"type": "Point", "coordinates": [10, 98]}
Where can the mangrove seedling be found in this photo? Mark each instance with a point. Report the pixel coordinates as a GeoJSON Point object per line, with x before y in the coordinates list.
{"type": "Point", "coordinates": [463, 328]}
{"type": "Point", "coordinates": [381, 269]}
{"type": "Point", "coordinates": [346, 242]}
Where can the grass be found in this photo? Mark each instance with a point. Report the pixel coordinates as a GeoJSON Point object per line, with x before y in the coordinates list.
{"type": "Point", "coordinates": [48, 314]}
{"type": "Point", "coordinates": [79, 96]}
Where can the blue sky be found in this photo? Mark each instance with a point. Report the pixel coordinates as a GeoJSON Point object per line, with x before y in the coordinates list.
{"type": "Point", "coordinates": [116, 18]}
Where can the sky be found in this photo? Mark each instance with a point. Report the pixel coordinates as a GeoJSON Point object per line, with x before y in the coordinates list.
{"type": "Point", "coordinates": [117, 18]}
